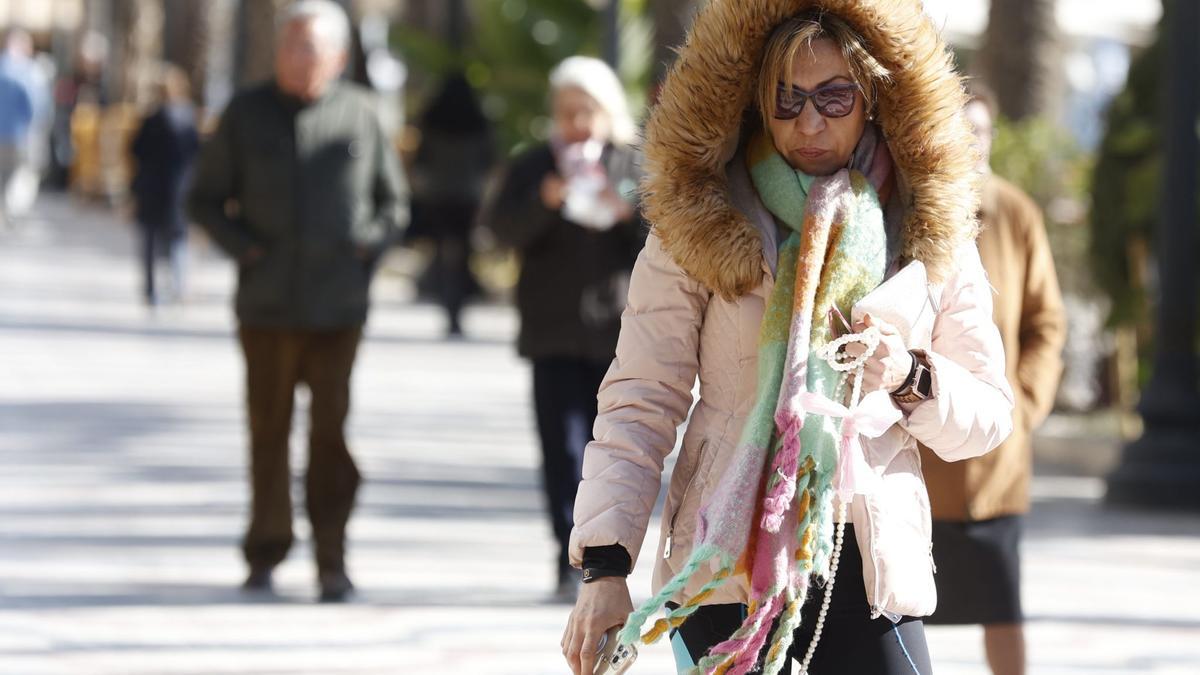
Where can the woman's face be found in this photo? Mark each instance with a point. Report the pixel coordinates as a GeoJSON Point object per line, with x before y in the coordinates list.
{"type": "Point", "coordinates": [578, 117]}
{"type": "Point", "coordinates": [811, 143]}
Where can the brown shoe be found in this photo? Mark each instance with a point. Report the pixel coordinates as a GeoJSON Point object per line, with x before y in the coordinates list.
{"type": "Point", "coordinates": [335, 586]}
{"type": "Point", "coordinates": [259, 580]}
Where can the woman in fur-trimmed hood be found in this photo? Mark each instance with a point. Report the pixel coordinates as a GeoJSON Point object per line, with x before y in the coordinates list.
{"type": "Point", "coordinates": [811, 187]}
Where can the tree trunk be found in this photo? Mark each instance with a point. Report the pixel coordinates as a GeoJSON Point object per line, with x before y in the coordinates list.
{"type": "Point", "coordinates": [671, 21]}
{"type": "Point", "coordinates": [219, 54]}
{"type": "Point", "coordinates": [138, 46]}
{"type": "Point", "coordinates": [448, 20]}
{"type": "Point", "coordinates": [428, 17]}
{"type": "Point", "coordinates": [256, 39]}
{"type": "Point", "coordinates": [1020, 56]}
{"type": "Point", "coordinates": [189, 27]}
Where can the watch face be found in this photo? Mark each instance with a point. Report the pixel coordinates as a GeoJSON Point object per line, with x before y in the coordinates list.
{"type": "Point", "coordinates": [924, 382]}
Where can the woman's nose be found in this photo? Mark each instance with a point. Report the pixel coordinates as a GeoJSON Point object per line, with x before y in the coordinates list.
{"type": "Point", "coordinates": [810, 122]}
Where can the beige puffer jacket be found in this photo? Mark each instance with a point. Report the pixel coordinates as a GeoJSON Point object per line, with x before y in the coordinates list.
{"type": "Point", "coordinates": [700, 287]}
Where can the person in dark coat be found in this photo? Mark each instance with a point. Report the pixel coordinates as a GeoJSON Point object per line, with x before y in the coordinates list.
{"type": "Point", "coordinates": [164, 148]}
{"type": "Point", "coordinates": [567, 208]}
{"type": "Point", "coordinates": [448, 175]}
{"type": "Point", "coordinates": [301, 186]}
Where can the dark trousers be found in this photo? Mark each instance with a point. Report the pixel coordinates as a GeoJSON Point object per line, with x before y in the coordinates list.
{"type": "Point", "coordinates": [851, 641]}
{"type": "Point", "coordinates": [276, 362]}
{"type": "Point", "coordinates": [564, 397]}
{"type": "Point", "coordinates": [452, 259]}
{"type": "Point", "coordinates": [156, 241]}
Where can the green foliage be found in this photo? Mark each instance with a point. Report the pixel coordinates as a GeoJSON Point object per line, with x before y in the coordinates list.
{"type": "Point", "coordinates": [1041, 157]}
{"type": "Point", "coordinates": [1044, 160]}
{"type": "Point", "coordinates": [1127, 188]}
{"type": "Point", "coordinates": [514, 44]}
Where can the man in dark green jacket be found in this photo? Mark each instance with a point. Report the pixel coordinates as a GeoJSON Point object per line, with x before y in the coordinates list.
{"type": "Point", "coordinates": [302, 188]}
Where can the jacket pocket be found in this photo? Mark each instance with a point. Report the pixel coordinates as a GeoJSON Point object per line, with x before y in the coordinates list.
{"type": "Point", "coordinates": [688, 489]}
{"type": "Point", "coordinates": [263, 284]}
{"type": "Point", "coordinates": [894, 530]}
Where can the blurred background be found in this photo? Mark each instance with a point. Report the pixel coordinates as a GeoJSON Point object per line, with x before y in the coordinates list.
{"type": "Point", "coordinates": [122, 479]}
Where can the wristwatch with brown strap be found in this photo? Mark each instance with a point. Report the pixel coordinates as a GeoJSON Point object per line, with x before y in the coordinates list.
{"type": "Point", "coordinates": [918, 386]}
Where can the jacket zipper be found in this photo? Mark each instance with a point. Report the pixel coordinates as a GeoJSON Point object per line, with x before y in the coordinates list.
{"type": "Point", "coordinates": [682, 498]}
{"type": "Point", "coordinates": [876, 608]}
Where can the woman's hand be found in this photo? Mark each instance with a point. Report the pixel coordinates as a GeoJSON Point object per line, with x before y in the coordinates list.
{"type": "Point", "coordinates": [889, 366]}
{"type": "Point", "coordinates": [554, 191]}
{"type": "Point", "coordinates": [601, 604]}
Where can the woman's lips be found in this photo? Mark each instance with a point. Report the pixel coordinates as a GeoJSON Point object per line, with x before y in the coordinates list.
{"type": "Point", "coordinates": [811, 153]}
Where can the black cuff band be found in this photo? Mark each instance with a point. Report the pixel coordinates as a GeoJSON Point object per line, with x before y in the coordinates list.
{"type": "Point", "coordinates": [605, 561]}
{"type": "Point", "coordinates": [591, 574]}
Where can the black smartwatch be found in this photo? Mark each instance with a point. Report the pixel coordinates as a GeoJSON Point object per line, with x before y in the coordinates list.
{"type": "Point", "coordinates": [919, 384]}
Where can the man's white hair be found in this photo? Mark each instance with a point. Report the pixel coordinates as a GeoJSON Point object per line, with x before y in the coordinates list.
{"type": "Point", "coordinates": [327, 14]}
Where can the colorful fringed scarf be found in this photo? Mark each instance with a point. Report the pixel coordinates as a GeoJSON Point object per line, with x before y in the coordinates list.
{"type": "Point", "coordinates": [771, 518]}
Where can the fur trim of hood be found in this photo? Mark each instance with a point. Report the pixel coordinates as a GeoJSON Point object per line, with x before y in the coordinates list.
{"type": "Point", "coordinates": [694, 128]}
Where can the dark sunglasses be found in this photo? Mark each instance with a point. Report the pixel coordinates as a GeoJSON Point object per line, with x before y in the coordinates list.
{"type": "Point", "coordinates": [832, 100]}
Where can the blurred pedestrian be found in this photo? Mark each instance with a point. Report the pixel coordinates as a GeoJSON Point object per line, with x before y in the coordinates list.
{"type": "Point", "coordinates": [19, 60]}
{"type": "Point", "coordinates": [18, 107]}
{"type": "Point", "coordinates": [979, 505]}
{"type": "Point", "coordinates": [567, 207]}
{"type": "Point", "coordinates": [448, 175]}
{"type": "Point", "coordinates": [300, 186]}
{"type": "Point", "coordinates": [164, 147]}
{"type": "Point", "coordinates": [82, 84]}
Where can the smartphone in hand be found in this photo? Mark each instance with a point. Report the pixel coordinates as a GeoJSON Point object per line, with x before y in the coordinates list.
{"type": "Point", "coordinates": [613, 658]}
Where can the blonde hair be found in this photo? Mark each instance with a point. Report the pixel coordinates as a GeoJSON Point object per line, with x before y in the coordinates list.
{"type": "Point", "coordinates": [800, 32]}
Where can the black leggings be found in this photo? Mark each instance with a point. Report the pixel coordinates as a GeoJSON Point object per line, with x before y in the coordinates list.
{"type": "Point", "coordinates": [851, 642]}
{"type": "Point", "coordinates": [564, 398]}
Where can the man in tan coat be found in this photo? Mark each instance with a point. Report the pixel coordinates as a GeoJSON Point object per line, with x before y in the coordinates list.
{"type": "Point", "coordinates": [978, 504]}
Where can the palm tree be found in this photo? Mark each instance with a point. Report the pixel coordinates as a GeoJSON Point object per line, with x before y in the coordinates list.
{"type": "Point", "coordinates": [671, 21]}
{"type": "Point", "coordinates": [1020, 56]}
{"type": "Point", "coordinates": [256, 39]}
{"type": "Point", "coordinates": [193, 31]}
{"type": "Point", "coordinates": [137, 28]}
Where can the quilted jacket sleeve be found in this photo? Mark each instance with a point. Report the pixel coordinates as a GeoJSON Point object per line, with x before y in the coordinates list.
{"type": "Point", "coordinates": [643, 399]}
{"type": "Point", "coordinates": [970, 410]}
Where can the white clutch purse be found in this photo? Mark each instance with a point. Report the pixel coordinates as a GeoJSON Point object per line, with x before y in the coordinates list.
{"type": "Point", "coordinates": [906, 302]}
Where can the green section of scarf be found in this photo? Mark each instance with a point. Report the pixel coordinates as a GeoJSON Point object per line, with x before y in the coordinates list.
{"type": "Point", "coordinates": [853, 267]}
{"type": "Point", "coordinates": [852, 264]}
{"type": "Point", "coordinates": [782, 189]}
